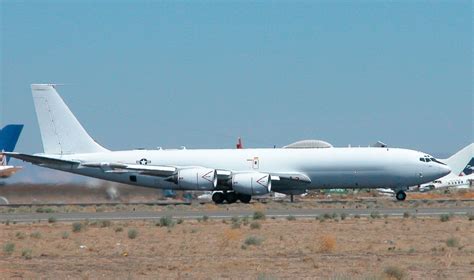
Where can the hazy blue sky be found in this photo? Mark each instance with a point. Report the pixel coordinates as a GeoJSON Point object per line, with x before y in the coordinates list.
{"type": "Point", "coordinates": [200, 74]}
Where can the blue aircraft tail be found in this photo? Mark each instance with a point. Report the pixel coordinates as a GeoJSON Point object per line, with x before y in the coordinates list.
{"type": "Point", "coordinates": [9, 137]}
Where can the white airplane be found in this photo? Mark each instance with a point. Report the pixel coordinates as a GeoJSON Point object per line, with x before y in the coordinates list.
{"type": "Point", "coordinates": [238, 173]}
{"type": "Point", "coordinates": [8, 138]}
{"type": "Point", "coordinates": [462, 176]}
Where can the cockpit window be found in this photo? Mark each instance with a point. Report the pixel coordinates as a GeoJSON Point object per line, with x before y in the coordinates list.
{"type": "Point", "coordinates": [430, 158]}
{"type": "Point", "coordinates": [437, 161]}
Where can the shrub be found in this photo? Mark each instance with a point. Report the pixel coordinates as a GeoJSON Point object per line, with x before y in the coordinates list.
{"type": "Point", "coordinates": [327, 216]}
{"type": "Point", "coordinates": [264, 276]}
{"type": "Point", "coordinates": [394, 272]}
{"type": "Point", "coordinates": [290, 218]}
{"type": "Point", "coordinates": [132, 233]}
{"type": "Point", "coordinates": [452, 242]}
{"type": "Point", "coordinates": [36, 234]}
{"type": "Point", "coordinates": [52, 220]}
{"type": "Point", "coordinates": [235, 225]}
{"type": "Point", "coordinates": [444, 217]}
{"type": "Point", "coordinates": [327, 243]}
{"type": "Point", "coordinates": [375, 215]}
{"type": "Point", "coordinates": [343, 216]}
{"type": "Point", "coordinates": [253, 240]}
{"type": "Point", "coordinates": [357, 216]}
{"type": "Point", "coordinates": [334, 215]}
{"type": "Point", "coordinates": [8, 248]}
{"type": "Point", "coordinates": [245, 220]}
{"type": "Point", "coordinates": [235, 219]}
{"type": "Point", "coordinates": [255, 225]}
{"type": "Point", "coordinates": [406, 215]}
{"type": "Point", "coordinates": [180, 221]}
{"type": "Point", "coordinates": [65, 235]}
{"type": "Point", "coordinates": [118, 229]}
{"type": "Point", "coordinates": [259, 215]}
{"type": "Point", "coordinates": [44, 210]}
{"type": "Point", "coordinates": [26, 253]}
{"type": "Point", "coordinates": [77, 227]}
{"type": "Point", "coordinates": [104, 223]}
{"type": "Point", "coordinates": [165, 221]}
{"type": "Point", "coordinates": [20, 235]}
{"type": "Point", "coordinates": [470, 216]}
{"type": "Point", "coordinates": [204, 218]}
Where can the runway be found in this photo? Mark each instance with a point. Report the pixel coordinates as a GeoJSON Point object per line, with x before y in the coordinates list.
{"type": "Point", "coordinates": [226, 214]}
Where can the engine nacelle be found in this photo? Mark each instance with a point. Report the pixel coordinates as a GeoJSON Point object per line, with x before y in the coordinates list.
{"type": "Point", "coordinates": [252, 183]}
{"type": "Point", "coordinates": [197, 179]}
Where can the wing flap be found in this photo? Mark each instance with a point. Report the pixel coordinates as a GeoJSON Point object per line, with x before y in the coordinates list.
{"type": "Point", "coordinates": [152, 170]}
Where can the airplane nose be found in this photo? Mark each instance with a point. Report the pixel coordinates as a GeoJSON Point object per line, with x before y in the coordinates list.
{"type": "Point", "coordinates": [445, 170]}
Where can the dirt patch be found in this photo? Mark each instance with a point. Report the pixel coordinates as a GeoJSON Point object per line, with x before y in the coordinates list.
{"type": "Point", "coordinates": [419, 248]}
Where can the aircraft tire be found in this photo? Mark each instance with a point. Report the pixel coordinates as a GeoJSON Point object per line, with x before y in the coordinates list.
{"type": "Point", "coordinates": [218, 198]}
{"type": "Point", "coordinates": [401, 196]}
{"type": "Point", "coordinates": [231, 197]}
{"type": "Point", "coordinates": [244, 198]}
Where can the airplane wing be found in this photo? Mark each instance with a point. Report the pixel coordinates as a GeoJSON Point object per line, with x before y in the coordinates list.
{"type": "Point", "coordinates": [106, 167]}
{"type": "Point", "coordinates": [280, 181]}
{"type": "Point", "coordinates": [41, 160]}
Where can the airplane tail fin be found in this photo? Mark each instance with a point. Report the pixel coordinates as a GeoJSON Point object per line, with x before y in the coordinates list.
{"type": "Point", "coordinates": [460, 160]}
{"type": "Point", "coordinates": [61, 132]}
{"type": "Point", "coordinates": [8, 138]}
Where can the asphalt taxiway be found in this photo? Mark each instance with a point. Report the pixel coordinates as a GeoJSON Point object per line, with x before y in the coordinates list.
{"type": "Point", "coordinates": [225, 214]}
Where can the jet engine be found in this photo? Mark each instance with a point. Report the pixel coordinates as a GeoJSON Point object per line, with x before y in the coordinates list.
{"type": "Point", "coordinates": [252, 183]}
{"type": "Point", "coordinates": [197, 179]}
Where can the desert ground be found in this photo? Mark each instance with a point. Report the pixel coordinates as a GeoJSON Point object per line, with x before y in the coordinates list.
{"type": "Point", "coordinates": [255, 247]}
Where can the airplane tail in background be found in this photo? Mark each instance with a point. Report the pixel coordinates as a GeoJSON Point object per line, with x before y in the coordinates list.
{"type": "Point", "coordinates": [459, 161]}
{"type": "Point", "coordinates": [8, 138]}
{"type": "Point", "coordinates": [61, 132]}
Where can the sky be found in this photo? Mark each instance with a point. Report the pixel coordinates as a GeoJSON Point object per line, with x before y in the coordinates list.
{"type": "Point", "coordinates": [143, 74]}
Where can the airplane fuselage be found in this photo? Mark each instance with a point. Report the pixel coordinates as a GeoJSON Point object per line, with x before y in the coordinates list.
{"type": "Point", "coordinates": [326, 168]}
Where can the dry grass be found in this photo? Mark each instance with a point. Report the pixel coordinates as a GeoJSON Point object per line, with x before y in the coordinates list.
{"type": "Point", "coordinates": [327, 244]}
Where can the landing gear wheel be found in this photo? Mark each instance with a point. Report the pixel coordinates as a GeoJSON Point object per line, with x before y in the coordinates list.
{"type": "Point", "coordinates": [231, 197]}
{"type": "Point", "coordinates": [218, 198]}
{"type": "Point", "coordinates": [401, 195]}
{"type": "Point", "coordinates": [244, 198]}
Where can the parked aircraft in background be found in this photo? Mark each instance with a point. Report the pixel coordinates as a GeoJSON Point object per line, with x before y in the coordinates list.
{"type": "Point", "coordinates": [461, 175]}
{"type": "Point", "coordinates": [8, 138]}
{"type": "Point", "coordinates": [237, 173]}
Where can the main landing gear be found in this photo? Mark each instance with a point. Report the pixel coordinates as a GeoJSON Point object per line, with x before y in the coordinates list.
{"type": "Point", "coordinates": [230, 197]}
{"type": "Point", "coordinates": [400, 195]}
